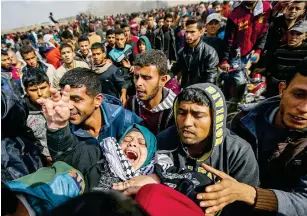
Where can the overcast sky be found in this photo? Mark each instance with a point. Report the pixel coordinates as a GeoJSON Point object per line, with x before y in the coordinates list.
{"type": "Point", "coordinates": [16, 14]}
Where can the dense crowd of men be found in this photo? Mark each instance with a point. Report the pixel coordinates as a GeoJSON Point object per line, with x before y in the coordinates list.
{"type": "Point", "coordinates": [137, 105]}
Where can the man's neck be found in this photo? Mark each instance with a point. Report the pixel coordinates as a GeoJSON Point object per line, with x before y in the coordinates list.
{"type": "Point", "coordinates": [198, 150]}
{"type": "Point", "coordinates": [155, 101]}
{"type": "Point", "coordinates": [278, 120]}
{"type": "Point", "coordinates": [193, 45]}
{"type": "Point", "coordinates": [70, 65]}
{"type": "Point", "coordinates": [290, 23]}
{"type": "Point", "coordinates": [211, 35]}
{"type": "Point", "coordinates": [94, 123]}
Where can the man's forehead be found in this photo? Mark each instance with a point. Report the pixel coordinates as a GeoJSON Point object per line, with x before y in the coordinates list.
{"type": "Point", "coordinates": [299, 82]}
{"type": "Point", "coordinates": [146, 70]}
{"type": "Point", "coordinates": [189, 105]}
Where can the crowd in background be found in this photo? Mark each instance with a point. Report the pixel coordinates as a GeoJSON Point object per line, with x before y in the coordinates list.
{"type": "Point", "coordinates": [191, 110]}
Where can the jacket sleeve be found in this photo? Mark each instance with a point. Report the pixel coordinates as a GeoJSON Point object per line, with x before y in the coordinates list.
{"type": "Point", "coordinates": [293, 203]}
{"type": "Point", "coordinates": [64, 146]}
{"type": "Point", "coordinates": [228, 40]}
{"type": "Point", "coordinates": [211, 63]}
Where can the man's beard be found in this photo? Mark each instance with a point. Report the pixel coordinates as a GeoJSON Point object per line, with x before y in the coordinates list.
{"type": "Point", "coordinates": [154, 93]}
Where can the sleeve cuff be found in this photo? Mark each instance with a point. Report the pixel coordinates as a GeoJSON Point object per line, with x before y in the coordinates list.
{"type": "Point", "coordinates": [266, 200]}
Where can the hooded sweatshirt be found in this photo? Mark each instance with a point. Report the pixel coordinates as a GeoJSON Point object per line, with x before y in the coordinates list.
{"type": "Point", "coordinates": [228, 153]}
{"type": "Point", "coordinates": [158, 118]}
{"type": "Point", "coordinates": [146, 41]}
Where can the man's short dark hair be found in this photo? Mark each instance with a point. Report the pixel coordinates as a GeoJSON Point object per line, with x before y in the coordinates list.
{"type": "Point", "coordinates": [26, 49]}
{"type": "Point", "coordinates": [143, 22]}
{"type": "Point", "coordinates": [151, 15]}
{"type": "Point", "coordinates": [153, 57]}
{"type": "Point", "coordinates": [184, 16]}
{"type": "Point", "coordinates": [34, 76]}
{"type": "Point", "coordinates": [4, 52]}
{"type": "Point", "coordinates": [168, 15]}
{"type": "Point", "coordinates": [110, 32]}
{"type": "Point", "coordinates": [193, 20]}
{"type": "Point", "coordinates": [82, 77]}
{"type": "Point", "coordinates": [119, 31]}
{"type": "Point", "coordinates": [215, 3]}
{"type": "Point", "coordinates": [194, 95]}
{"type": "Point", "coordinates": [91, 29]}
{"type": "Point", "coordinates": [299, 69]}
{"type": "Point", "coordinates": [124, 25]}
{"type": "Point", "coordinates": [66, 45]}
{"type": "Point", "coordinates": [118, 22]}
{"type": "Point", "coordinates": [98, 46]}
{"type": "Point", "coordinates": [67, 35]}
{"type": "Point", "coordinates": [83, 38]}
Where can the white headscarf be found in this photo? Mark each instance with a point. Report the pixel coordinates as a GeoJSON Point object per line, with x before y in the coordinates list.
{"type": "Point", "coordinates": [47, 38]}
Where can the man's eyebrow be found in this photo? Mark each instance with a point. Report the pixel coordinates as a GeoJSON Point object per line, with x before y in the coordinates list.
{"type": "Point", "coordinates": [299, 89]}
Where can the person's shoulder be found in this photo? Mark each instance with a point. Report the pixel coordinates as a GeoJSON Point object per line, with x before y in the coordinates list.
{"type": "Point", "coordinates": [234, 143]}
{"type": "Point", "coordinates": [168, 139]}
{"type": "Point", "coordinates": [61, 69]}
{"type": "Point", "coordinates": [81, 64]}
{"type": "Point", "coordinates": [50, 66]}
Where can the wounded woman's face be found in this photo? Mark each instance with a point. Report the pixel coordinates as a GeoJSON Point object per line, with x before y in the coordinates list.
{"type": "Point", "coordinates": [134, 147]}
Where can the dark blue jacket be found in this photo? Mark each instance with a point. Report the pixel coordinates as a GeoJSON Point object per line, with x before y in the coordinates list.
{"type": "Point", "coordinates": [287, 179]}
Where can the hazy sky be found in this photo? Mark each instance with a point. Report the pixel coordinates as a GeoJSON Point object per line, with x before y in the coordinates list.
{"type": "Point", "coordinates": [16, 14]}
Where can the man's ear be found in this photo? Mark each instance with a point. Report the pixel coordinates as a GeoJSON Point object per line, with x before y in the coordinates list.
{"type": "Point", "coordinates": [98, 100]}
{"type": "Point", "coordinates": [282, 87]}
{"type": "Point", "coordinates": [163, 80]}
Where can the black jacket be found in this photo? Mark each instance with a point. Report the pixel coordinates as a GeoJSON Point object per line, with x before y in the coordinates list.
{"type": "Point", "coordinates": [198, 65]}
{"type": "Point", "coordinates": [284, 61]}
{"type": "Point", "coordinates": [158, 43]}
{"type": "Point", "coordinates": [112, 80]}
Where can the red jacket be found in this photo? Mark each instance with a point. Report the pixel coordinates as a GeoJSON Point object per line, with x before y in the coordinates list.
{"type": "Point", "coordinates": [247, 30]}
{"type": "Point", "coordinates": [54, 57]}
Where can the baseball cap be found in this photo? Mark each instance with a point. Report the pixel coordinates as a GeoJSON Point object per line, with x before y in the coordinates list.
{"type": "Point", "coordinates": [214, 16]}
{"type": "Point", "coordinates": [300, 27]}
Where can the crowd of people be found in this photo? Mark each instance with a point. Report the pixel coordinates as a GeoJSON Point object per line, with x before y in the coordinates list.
{"type": "Point", "coordinates": [127, 114]}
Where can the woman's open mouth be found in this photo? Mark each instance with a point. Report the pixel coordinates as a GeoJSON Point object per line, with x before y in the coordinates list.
{"type": "Point", "coordinates": [132, 155]}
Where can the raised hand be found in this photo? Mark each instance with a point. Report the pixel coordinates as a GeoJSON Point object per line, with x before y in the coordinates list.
{"type": "Point", "coordinates": [56, 108]}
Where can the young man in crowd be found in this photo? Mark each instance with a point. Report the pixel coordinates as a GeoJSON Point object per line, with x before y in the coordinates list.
{"type": "Point", "coordinates": [276, 130]}
{"type": "Point", "coordinates": [17, 63]}
{"type": "Point", "coordinates": [164, 39]}
{"type": "Point", "coordinates": [29, 56]}
{"type": "Point", "coordinates": [130, 39]}
{"type": "Point", "coordinates": [110, 41]}
{"type": "Point", "coordinates": [68, 56]}
{"type": "Point", "coordinates": [245, 37]}
{"type": "Point", "coordinates": [10, 79]}
{"type": "Point", "coordinates": [200, 137]}
{"type": "Point", "coordinates": [112, 81]}
{"type": "Point", "coordinates": [160, 25]}
{"type": "Point", "coordinates": [91, 119]}
{"type": "Point", "coordinates": [197, 61]}
{"type": "Point", "coordinates": [36, 85]}
{"type": "Point", "coordinates": [287, 57]}
{"type": "Point", "coordinates": [92, 36]}
{"type": "Point", "coordinates": [180, 32]}
{"type": "Point", "coordinates": [150, 28]}
{"type": "Point", "coordinates": [281, 24]}
{"type": "Point", "coordinates": [213, 25]}
{"type": "Point", "coordinates": [152, 102]}
{"type": "Point", "coordinates": [122, 57]}
{"type": "Point", "coordinates": [84, 53]}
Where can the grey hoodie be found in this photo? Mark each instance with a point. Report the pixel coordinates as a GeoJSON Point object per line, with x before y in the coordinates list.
{"type": "Point", "coordinates": [228, 153]}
